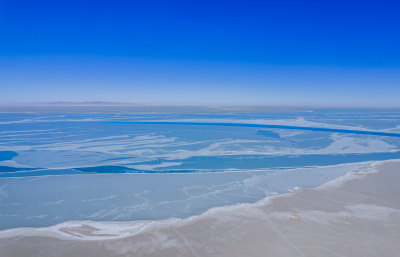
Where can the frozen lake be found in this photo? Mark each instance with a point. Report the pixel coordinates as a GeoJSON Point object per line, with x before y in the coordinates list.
{"type": "Point", "coordinates": [123, 164]}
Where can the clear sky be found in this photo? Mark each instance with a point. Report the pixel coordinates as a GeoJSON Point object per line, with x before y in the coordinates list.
{"type": "Point", "coordinates": [201, 52]}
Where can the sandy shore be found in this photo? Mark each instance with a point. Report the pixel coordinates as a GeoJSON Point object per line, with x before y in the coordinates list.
{"type": "Point", "coordinates": [360, 217]}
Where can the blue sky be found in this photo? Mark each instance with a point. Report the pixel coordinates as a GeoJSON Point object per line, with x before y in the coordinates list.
{"type": "Point", "coordinates": [201, 52]}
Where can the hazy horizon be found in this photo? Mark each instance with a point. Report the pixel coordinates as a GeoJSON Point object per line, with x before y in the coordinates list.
{"type": "Point", "coordinates": [132, 104]}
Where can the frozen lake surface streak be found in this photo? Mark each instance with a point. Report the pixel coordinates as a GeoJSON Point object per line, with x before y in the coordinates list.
{"type": "Point", "coordinates": [250, 125]}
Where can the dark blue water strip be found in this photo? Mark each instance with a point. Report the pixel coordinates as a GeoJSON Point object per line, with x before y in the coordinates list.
{"type": "Point", "coordinates": [348, 131]}
{"type": "Point", "coordinates": [196, 164]}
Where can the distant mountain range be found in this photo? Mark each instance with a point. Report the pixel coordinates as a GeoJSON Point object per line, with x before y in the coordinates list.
{"type": "Point", "coordinates": [88, 103]}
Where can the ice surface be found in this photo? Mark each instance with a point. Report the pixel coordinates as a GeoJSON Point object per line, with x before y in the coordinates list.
{"type": "Point", "coordinates": [57, 167]}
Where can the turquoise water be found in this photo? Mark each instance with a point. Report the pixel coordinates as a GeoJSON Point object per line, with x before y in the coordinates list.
{"type": "Point", "coordinates": [125, 164]}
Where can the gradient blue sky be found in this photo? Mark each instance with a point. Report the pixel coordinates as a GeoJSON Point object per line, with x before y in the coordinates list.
{"type": "Point", "coordinates": [201, 52]}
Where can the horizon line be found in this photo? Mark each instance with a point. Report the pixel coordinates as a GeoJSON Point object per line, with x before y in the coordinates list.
{"type": "Point", "coordinates": [216, 105]}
